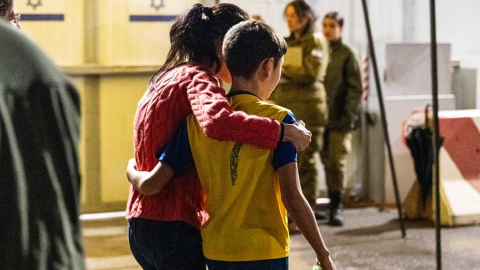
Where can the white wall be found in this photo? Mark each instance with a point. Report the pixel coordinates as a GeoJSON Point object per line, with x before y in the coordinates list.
{"type": "Point", "coordinates": [457, 22]}
{"type": "Point", "coordinates": [386, 17]}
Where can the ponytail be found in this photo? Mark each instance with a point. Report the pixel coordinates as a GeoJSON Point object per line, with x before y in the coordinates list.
{"type": "Point", "coordinates": [193, 35]}
{"type": "Point", "coordinates": [191, 39]}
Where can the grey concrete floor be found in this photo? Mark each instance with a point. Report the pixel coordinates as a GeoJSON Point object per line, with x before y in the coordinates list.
{"type": "Point", "coordinates": [370, 240]}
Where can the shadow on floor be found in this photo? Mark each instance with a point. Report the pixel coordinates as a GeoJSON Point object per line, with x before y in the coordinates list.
{"type": "Point", "coordinates": [392, 225]}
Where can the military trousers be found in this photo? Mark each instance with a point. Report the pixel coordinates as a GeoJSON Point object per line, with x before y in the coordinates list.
{"type": "Point", "coordinates": [307, 166]}
{"type": "Point", "coordinates": [336, 146]}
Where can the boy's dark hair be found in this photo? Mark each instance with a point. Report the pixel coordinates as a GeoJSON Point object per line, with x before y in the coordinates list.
{"type": "Point", "coordinates": [193, 34]}
{"type": "Point", "coordinates": [247, 44]}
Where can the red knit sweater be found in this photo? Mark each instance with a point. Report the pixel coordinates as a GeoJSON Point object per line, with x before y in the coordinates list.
{"type": "Point", "coordinates": [167, 102]}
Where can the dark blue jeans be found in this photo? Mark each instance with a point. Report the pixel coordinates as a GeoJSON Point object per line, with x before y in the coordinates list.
{"type": "Point", "coordinates": [166, 245]}
{"type": "Point", "coordinates": [274, 264]}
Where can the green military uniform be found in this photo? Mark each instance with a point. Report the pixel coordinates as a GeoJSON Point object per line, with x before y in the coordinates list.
{"type": "Point", "coordinates": [344, 90]}
{"type": "Point", "coordinates": [39, 174]}
{"type": "Point", "coordinates": [301, 90]}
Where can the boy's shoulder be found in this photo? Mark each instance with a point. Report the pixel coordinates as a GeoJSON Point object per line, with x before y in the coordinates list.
{"type": "Point", "coordinates": [261, 108]}
{"type": "Point", "coordinates": [274, 107]}
{"type": "Point", "coordinates": [252, 105]}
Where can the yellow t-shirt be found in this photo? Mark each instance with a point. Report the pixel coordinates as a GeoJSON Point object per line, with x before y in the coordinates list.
{"type": "Point", "coordinates": [248, 220]}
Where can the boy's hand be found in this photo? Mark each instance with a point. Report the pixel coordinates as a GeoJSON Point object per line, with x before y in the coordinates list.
{"type": "Point", "coordinates": [141, 181]}
{"type": "Point", "coordinates": [131, 169]}
{"type": "Point", "coordinates": [149, 183]}
{"type": "Point", "coordinates": [327, 263]}
{"type": "Point", "coordinates": [298, 135]}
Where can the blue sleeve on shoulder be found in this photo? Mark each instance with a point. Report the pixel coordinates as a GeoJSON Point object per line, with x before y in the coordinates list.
{"type": "Point", "coordinates": [178, 154]}
{"type": "Point", "coordinates": [285, 152]}
{"type": "Point", "coordinates": [289, 118]}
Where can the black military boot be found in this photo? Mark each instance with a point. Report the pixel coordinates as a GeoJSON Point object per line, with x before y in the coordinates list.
{"type": "Point", "coordinates": [335, 215]}
{"type": "Point", "coordinates": [319, 214]}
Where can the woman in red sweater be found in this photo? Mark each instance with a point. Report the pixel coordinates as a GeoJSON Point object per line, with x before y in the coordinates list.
{"type": "Point", "coordinates": [164, 228]}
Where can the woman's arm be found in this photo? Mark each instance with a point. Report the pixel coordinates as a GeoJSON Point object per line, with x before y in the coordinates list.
{"type": "Point", "coordinates": [218, 121]}
{"type": "Point", "coordinates": [353, 83]}
{"type": "Point", "coordinates": [149, 183]}
{"type": "Point", "coordinates": [291, 135]}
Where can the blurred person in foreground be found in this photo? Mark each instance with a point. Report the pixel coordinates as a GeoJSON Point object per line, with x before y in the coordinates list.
{"type": "Point", "coordinates": [8, 12]}
{"type": "Point", "coordinates": [344, 91]}
{"type": "Point", "coordinates": [39, 175]}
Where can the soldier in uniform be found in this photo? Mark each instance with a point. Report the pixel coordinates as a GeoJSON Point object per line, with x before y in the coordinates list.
{"type": "Point", "coordinates": [301, 88]}
{"type": "Point", "coordinates": [344, 90]}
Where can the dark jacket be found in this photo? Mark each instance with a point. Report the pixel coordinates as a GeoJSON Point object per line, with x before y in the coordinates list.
{"type": "Point", "coordinates": [301, 88]}
{"type": "Point", "coordinates": [39, 174]}
{"type": "Point", "coordinates": [343, 85]}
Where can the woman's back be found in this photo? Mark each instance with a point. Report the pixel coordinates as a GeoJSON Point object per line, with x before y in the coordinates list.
{"type": "Point", "coordinates": [160, 111]}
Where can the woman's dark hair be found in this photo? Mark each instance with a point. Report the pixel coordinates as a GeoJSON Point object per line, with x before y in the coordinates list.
{"type": "Point", "coordinates": [303, 10]}
{"type": "Point", "coordinates": [336, 17]}
{"type": "Point", "coordinates": [194, 33]}
{"type": "Point", "coordinates": [5, 5]}
{"type": "Point", "coordinates": [247, 44]}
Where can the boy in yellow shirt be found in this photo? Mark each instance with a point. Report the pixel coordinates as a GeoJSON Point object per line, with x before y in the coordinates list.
{"type": "Point", "coordinates": [248, 190]}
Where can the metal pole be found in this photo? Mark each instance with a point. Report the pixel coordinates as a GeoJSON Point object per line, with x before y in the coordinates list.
{"type": "Point", "coordinates": [435, 173]}
{"type": "Point", "coordinates": [384, 118]}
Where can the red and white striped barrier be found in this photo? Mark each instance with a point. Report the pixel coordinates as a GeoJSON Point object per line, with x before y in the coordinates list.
{"type": "Point", "coordinates": [460, 164]}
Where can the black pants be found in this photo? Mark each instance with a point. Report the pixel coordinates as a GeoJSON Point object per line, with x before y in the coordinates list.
{"type": "Point", "coordinates": [166, 245]}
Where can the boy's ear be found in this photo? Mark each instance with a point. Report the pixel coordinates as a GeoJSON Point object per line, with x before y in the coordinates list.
{"type": "Point", "coordinates": [267, 67]}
